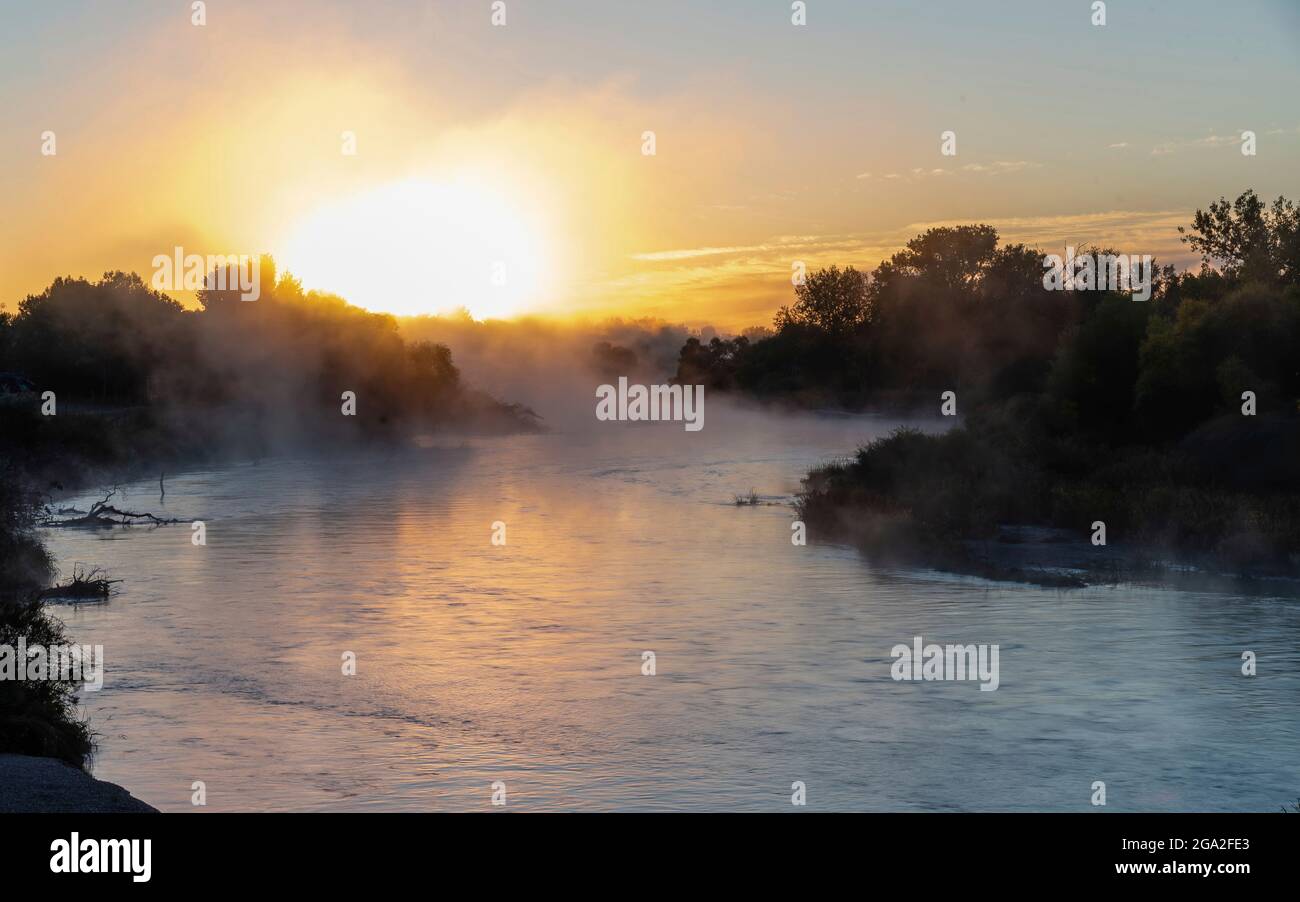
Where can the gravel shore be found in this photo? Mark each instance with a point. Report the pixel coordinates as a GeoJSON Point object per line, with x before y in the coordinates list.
{"type": "Point", "coordinates": [32, 785]}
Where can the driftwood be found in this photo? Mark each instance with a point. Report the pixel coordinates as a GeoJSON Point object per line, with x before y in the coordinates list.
{"type": "Point", "coordinates": [85, 585]}
{"type": "Point", "coordinates": [103, 515]}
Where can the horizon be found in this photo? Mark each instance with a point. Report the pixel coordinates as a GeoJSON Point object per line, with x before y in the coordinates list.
{"type": "Point", "coordinates": [773, 144]}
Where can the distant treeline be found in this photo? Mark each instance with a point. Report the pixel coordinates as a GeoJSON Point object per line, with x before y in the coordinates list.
{"type": "Point", "coordinates": [954, 311]}
{"type": "Point", "coordinates": [246, 376]}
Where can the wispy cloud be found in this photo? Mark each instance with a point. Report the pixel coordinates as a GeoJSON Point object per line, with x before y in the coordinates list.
{"type": "Point", "coordinates": [750, 281]}
{"type": "Point", "coordinates": [919, 173]}
{"type": "Point", "coordinates": [779, 243]}
{"type": "Point", "coordinates": [690, 253]}
{"type": "Point", "coordinates": [1211, 140]}
{"type": "Point", "coordinates": [1001, 167]}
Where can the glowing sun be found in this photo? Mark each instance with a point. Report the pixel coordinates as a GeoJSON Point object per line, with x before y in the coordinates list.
{"type": "Point", "coordinates": [422, 247]}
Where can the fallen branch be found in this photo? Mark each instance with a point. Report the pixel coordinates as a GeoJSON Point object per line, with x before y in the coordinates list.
{"type": "Point", "coordinates": [103, 515]}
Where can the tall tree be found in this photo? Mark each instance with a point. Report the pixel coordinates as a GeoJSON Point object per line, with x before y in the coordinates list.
{"type": "Point", "coordinates": [1248, 240]}
{"type": "Point", "coordinates": [833, 300]}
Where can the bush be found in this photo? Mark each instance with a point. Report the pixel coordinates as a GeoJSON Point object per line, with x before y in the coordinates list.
{"type": "Point", "coordinates": [37, 717]}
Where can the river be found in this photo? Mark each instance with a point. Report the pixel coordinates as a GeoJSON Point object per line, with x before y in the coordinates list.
{"type": "Point", "coordinates": [522, 663]}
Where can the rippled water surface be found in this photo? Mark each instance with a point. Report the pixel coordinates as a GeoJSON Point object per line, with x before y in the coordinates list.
{"type": "Point", "coordinates": [522, 663]}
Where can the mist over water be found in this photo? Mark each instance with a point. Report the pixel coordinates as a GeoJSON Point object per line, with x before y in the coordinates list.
{"type": "Point", "coordinates": [554, 367]}
{"type": "Point", "coordinates": [522, 663]}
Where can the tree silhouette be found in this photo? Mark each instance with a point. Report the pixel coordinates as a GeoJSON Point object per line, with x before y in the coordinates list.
{"type": "Point", "coordinates": [833, 300]}
{"type": "Point", "coordinates": [1248, 240]}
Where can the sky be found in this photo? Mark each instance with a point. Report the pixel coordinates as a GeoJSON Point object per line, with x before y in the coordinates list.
{"type": "Point", "coordinates": [503, 168]}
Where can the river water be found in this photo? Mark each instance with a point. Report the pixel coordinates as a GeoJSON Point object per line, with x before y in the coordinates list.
{"type": "Point", "coordinates": [522, 663]}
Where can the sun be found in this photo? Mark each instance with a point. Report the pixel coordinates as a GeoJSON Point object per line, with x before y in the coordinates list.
{"type": "Point", "coordinates": [422, 246]}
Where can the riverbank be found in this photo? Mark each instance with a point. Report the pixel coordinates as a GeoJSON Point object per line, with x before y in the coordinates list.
{"type": "Point", "coordinates": [1007, 496]}
{"type": "Point", "coordinates": [1060, 558]}
{"type": "Point", "coordinates": [30, 785]}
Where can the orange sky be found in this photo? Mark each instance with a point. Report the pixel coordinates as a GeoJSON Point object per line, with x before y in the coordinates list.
{"type": "Point", "coordinates": [773, 145]}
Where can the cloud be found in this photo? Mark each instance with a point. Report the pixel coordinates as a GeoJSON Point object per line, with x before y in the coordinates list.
{"type": "Point", "coordinates": [1001, 167]}
{"type": "Point", "coordinates": [1210, 140]}
{"type": "Point", "coordinates": [919, 173]}
{"type": "Point", "coordinates": [744, 284]}
{"type": "Point", "coordinates": [690, 253]}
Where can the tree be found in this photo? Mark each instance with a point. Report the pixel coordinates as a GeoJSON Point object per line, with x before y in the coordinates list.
{"type": "Point", "coordinates": [95, 341]}
{"type": "Point", "coordinates": [1248, 240]}
{"type": "Point", "coordinates": [833, 300]}
{"type": "Point", "coordinates": [214, 297]}
{"type": "Point", "coordinates": [611, 361]}
{"type": "Point", "coordinates": [713, 364]}
{"type": "Point", "coordinates": [953, 259]}
{"type": "Point", "coordinates": [432, 363]}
